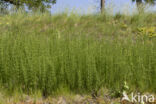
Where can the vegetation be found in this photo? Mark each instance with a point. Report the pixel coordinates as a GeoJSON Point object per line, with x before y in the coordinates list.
{"type": "Point", "coordinates": [139, 4]}
{"type": "Point", "coordinates": [147, 1]}
{"type": "Point", "coordinates": [47, 53]}
{"type": "Point", "coordinates": [41, 5]}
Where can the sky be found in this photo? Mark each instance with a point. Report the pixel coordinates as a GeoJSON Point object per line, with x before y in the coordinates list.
{"type": "Point", "coordinates": [92, 6]}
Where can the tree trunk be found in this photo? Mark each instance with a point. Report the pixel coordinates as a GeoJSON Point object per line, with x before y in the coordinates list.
{"type": "Point", "coordinates": [102, 5]}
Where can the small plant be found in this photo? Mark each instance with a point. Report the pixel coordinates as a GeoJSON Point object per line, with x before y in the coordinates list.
{"type": "Point", "coordinates": [119, 92]}
{"type": "Point", "coordinates": [125, 87]}
{"type": "Point", "coordinates": [149, 31]}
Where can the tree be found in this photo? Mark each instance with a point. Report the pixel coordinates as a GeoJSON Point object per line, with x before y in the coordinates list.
{"type": "Point", "coordinates": [3, 8]}
{"type": "Point", "coordinates": [102, 5]}
{"type": "Point", "coordinates": [147, 1]}
{"type": "Point", "coordinates": [140, 2]}
{"type": "Point", "coordinates": [31, 4]}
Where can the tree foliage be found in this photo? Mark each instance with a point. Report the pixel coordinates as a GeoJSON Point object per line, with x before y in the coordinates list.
{"type": "Point", "coordinates": [147, 1]}
{"type": "Point", "coordinates": [31, 4]}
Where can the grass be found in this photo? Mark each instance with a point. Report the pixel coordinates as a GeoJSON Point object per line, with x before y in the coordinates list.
{"type": "Point", "coordinates": [40, 52]}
